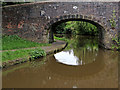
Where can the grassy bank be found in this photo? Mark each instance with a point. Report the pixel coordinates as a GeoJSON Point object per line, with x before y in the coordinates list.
{"type": "Point", "coordinates": [63, 38]}
{"type": "Point", "coordinates": [15, 42]}
{"type": "Point", "coordinates": [13, 55]}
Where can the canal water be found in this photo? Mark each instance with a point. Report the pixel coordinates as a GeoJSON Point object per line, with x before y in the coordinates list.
{"type": "Point", "coordinates": [82, 64]}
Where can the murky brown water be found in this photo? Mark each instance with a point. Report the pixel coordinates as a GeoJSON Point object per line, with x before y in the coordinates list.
{"type": "Point", "coordinates": [80, 65]}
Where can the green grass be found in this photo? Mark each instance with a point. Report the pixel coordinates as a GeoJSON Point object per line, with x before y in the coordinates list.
{"type": "Point", "coordinates": [14, 42]}
{"type": "Point", "coordinates": [13, 55]}
{"type": "Point", "coordinates": [58, 38]}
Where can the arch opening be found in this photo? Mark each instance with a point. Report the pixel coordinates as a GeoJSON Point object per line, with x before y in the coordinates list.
{"type": "Point", "coordinates": [100, 29]}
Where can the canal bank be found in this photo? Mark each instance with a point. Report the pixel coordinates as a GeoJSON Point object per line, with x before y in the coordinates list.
{"type": "Point", "coordinates": [56, 46]}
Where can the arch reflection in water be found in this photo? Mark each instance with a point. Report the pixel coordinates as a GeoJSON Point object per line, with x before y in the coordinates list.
{"type": "Point", "coordinates": [67, 57]}
{"type": "Point", "coordinates": [81, 50]}
{"type": "Point", "coordinates": [70, 58]}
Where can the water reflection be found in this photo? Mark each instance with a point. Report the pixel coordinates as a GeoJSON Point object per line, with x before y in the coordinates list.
{"type": "Point", "coordinates": [67, 58]}
{"type": "Point", "coordinates": [99, 71]}
{"type": "Point", "coordinates": [80, 51]}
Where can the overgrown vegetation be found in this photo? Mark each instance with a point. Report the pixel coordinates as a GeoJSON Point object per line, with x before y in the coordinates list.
{"type": "Point", "coordinates": [116, 41]}
{"type": "Point", "coordinates": [14, 42]}
{"type": "Point", "coordinates": [37, 53]}
{"type": "Point", "coordinates": [112, 20]}
{"type": "Point", "coordinates": [76, 28]}
{"type": "Point", "coordinates": [24, 53]}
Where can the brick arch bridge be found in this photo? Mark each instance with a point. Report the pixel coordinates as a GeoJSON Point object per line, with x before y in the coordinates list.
{"type": "Point", "coordinates": [33, 21]}
{"type": "Point", "coordinates": [101, 27]}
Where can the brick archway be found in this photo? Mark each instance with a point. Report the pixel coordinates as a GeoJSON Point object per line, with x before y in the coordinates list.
{"type": "Point", "coordinates": [105, 38]}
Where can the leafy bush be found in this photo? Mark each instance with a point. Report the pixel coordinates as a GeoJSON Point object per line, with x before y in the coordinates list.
{"type": "Point", "coordinates": [37, 53]}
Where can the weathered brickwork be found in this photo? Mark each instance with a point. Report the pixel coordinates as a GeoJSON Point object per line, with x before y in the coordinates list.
{"type": "Point", "coordinates": [33, 21]}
